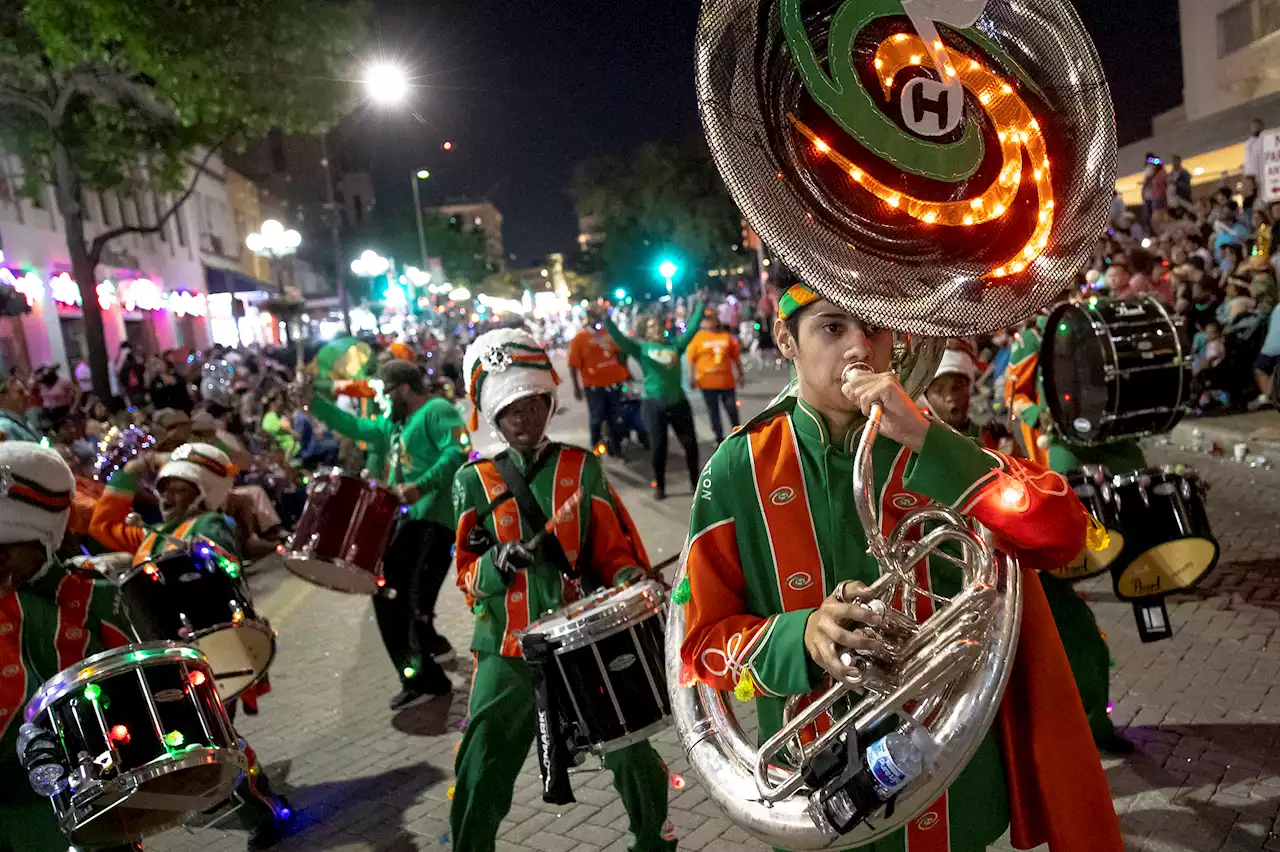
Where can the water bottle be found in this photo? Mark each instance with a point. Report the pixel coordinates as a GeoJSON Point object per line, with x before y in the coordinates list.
{"type": "Point", "coordinates": [896, 759]}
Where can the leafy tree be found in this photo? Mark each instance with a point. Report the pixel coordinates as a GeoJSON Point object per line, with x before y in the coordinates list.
{"type": "Point", "coordinates": [662, 201]}
{"type": "Point", "coordinates": [123, 94]}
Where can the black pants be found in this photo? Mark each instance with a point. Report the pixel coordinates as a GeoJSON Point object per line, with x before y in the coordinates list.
{"type": "Point", "coordinates": [714, 400]}
{"type": "Point", "coordinates": [604, 412]}
{"type": "Point", "coordinates": [657, 417]}
{"type": "Point", "coordinates": [415, 566]}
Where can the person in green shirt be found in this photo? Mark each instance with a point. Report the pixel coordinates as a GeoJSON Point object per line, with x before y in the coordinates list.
{"type": "Point", "coordinates": [424, 442]}
{"type": "Point", "coordinates": [13, 405]}
{"type": "Point", "coordinates": [275, 422]}
{"type": "Point", "coordinates": [663, 403]}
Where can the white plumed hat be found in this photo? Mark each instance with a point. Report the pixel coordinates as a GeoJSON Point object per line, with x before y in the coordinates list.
{"type": "Point", "coordinates": [957, 361]}
{"type": "Point", "coordinates": [503, 366]}
{"type": "Point", "coordinates": [36, 489]}
{"type": "Point", "coordinates": [204, 466]}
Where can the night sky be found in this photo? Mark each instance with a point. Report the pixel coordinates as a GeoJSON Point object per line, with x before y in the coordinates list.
{"type": "Point", "coordinates": [526, 89]}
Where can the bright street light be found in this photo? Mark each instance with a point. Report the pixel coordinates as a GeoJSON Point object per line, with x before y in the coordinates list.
{"type": "Point", "coordinates": [386, 83]}
{"type": "Point", "coordinates": [370, 264]}
{"type": "Point", "coordinates": [272, 240]}
{"type": "Point", "coordinates": [423, 174]}
{"type": "Point", "coordinates": [668, 269]}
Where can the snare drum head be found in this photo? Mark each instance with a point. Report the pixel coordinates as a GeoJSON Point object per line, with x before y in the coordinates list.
{"type": "Point", "coordinates": [602, 611]}
{"type": "Point", "coordinates": [337, 575]}
{"type": "Point", "coordinates": [239, 655]}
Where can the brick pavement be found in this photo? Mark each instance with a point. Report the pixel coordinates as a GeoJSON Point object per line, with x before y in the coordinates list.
{"type": "Point", "coordinates": [1203, 708]}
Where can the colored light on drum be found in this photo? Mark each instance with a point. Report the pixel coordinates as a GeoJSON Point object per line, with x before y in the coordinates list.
{"type": "Point", "coordinates": [92, 692]}
{"type": "Point", "coordinates": [1016, 128]}
{"type": "Point", "coordinates": [381, 581]}
{"type": "Point", "coordinates": [677, 781]}
{"type": "Point", "coordinates": [120, 734]}
{"type": "Point", "coordinates": [196, 678]}
{"type": "Point", "coordinates": [410, 672]}
{"type": "Point", "coordinates": [174, 739]}
{"type": "Point", "coordinates": [1110, 707]}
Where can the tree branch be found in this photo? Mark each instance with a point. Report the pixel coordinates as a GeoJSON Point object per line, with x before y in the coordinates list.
{"type": "Point", "coordinates": [27, 102]}
{"type": "Point", "coordinates": [100, 241]}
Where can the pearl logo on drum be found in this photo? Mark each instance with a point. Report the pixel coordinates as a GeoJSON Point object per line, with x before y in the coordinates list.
{"type": "Point", "coordinates": [621, 662]}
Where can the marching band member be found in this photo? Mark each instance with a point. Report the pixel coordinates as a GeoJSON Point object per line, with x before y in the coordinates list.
{"type": "Point", "coordinates": [508, 584]}
{"type": "Point", "coordinates": [193, 486]}
{"type": "Point", "coordinates": [950, 393]}
{"type": "Point", "coordinates": [424, 443]}
{"type": "Point", "coordinates": [52, 616]}
{"type": "Point", "coordinates": [664, 402]}
{"type": "Point", "coordinates": [775, 570]}
{"type": "Point", "coordinates": [1086, 648]}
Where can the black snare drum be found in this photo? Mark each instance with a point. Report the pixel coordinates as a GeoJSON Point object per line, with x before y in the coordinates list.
{"type": "Point", "coordinates": [1114, 368]}
{"type": "Point", "coordinates": [199, 597]}
{"type": "Point", "coordinates": [608, 651]}
{"type": "Point", "coordinates": [1170, 545]}
{"type": "Point", "coordinates": [1092, 485]}
{"type": "Point", "coordinates": [144, 742]}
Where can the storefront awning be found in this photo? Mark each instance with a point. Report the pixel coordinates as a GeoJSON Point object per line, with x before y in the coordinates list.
{"type": "Point", "coordinates": [230, 281]}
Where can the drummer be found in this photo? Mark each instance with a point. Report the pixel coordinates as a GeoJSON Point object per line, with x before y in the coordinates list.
{"type": "Point", "coordinates": [51, 617]}
{"type": "Point", "coordinates": [1086, 648]}
{"type": "Point", "coordinates": [513, 385]}
{"type": "Point", "coordinates": [193, 486]}
{"type": "Point", "coordinates": [424, 442]}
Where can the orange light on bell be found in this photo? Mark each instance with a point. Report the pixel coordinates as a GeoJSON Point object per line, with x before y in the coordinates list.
{"type": "Point", "coordinates": [1013, 495]}
{"type": "Point", "coordinates": [196, 678]}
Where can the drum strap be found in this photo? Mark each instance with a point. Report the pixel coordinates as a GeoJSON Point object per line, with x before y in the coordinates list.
{"type": "Point", "coordinates": [530, 511]}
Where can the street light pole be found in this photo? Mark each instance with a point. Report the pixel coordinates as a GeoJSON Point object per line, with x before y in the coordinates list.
{"type": "Point", "coordinates": [335, 229]}
{"type": "Point", "coordinates": [420, 174]}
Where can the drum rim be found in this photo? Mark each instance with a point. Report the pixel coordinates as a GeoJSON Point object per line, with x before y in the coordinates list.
{"type": "Point", "coordinates": [103, 664]}
{"type": "Point", "coordinates": [294, 556]}
{"type": "Point", "coordinates": [644, 604]}
{"type": "Point", "coordinates": [365, 481]}
{"type": "Point", "coordinates": [630, 739]}
{"type": "Point", "coordinates": [1163, 472]}
{"type": "Point", "coordinates": [159, 558]}
{"type": "Point", "coordinates": [199, 756]}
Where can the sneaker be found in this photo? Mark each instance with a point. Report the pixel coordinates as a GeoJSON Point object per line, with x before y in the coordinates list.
{"type": "Point", "coordinates": [422, 692]}
{"type": "Point", "coordinates": [1263, 401]}
{"type": "Point", "coordinates": [659, 492]}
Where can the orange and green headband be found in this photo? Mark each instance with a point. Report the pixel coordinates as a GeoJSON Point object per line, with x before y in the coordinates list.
{"type": "Point", "coordinates": [796, 297]}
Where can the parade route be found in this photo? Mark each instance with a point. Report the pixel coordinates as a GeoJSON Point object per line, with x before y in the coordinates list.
{"type": "Point", "coordinates": [1203, 709]}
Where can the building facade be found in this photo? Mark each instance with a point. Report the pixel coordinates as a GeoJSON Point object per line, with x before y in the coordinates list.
{"type": "Point", "coordinates": [150, 287]}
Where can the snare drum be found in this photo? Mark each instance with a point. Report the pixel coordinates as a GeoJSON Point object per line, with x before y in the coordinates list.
{"type": "Point", "coordinates": [608, 657]}
{"type": "Point", "coordinates": [1170, 543]}
{"type": "Point", "coordinates": [144, 739]}
{"type": "Point", "coordinates": [1091, 484]}
{"type": "Point", "coordinates": [197, 597]}
{"type": "Point", "coordinates": [343, 532]}
{"type": "Point", "coordinates": [1114, 368]}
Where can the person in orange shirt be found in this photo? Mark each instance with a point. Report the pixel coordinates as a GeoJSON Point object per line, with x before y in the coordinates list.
{"type": "Point", "coordinates": [598, 371]}
{"type": "Point", "coordinates": [715, 360]}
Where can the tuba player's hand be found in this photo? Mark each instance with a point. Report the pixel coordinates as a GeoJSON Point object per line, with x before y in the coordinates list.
{"type": "Point", "coordinates": [840, 625]}
{"type": "Point", "coordinates": [901, 420]}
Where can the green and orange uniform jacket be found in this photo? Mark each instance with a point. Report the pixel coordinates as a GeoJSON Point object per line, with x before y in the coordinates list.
{"type": "Point", "coordinates": [108, 525]}
{"type": "Point", "coordinates": [597, 535]}
{"type": "Point", "coordinates": [775, 528]}
{"type": "Point", "coordinates": [425, 451]}
{"type": "Point", "coordinates": [46, 626]}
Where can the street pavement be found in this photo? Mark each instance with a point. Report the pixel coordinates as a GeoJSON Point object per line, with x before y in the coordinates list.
{"type": "Point", "coordinates": [1203, 709]}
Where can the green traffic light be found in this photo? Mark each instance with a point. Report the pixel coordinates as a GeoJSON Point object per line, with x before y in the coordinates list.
{"type": "Point", "coordinates": [620, 293]}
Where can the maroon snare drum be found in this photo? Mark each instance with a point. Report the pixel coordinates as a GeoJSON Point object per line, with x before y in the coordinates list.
{"type": "Point", "coordinates": [342, 534]}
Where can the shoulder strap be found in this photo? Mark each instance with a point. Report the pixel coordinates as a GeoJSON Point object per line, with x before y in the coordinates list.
{"type": "Point", "coordinates": [550, 547]}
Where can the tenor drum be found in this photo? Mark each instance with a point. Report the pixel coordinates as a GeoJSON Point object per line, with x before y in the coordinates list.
{"type": "Point", "coordinates": [343, 532]}
{"type": "Point", "coordinates": [609, 662]}
{"type": "Point", "coordinates": [1114, 369]}
{"type": "Point", "coordinates": [199, 597]}
{"type": "Point", "coordinates": [1092, 485]}
{"type": "Point", "coordinates": [144, 740]}
{"type": "Point", "coordinates": [1170, 543]}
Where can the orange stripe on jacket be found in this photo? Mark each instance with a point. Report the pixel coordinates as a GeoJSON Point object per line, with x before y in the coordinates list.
{"type": "Point", "coordinates": [506, 520]}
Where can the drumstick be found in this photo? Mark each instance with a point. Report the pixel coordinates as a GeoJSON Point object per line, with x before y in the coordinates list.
{"type": "Point", "coordinates": [564, 513]}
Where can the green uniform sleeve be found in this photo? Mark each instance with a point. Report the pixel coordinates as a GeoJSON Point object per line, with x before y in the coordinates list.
{"type": "Point", "coordinates": [1030, 415]}
{"type": "Point", "coordinates": [375, 432]}
{"type": "Point", "coordinates": [948, 467]}
{"type": "Point", "coordinates": [440, 448]}
{"type": "Point", "coordinates": [628, 346]}
{"type": "Point", "coordinates": [691, 328]}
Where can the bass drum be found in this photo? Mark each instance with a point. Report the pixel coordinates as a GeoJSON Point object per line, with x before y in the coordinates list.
{"type": "Point", "coordinates": [1114, 369]}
